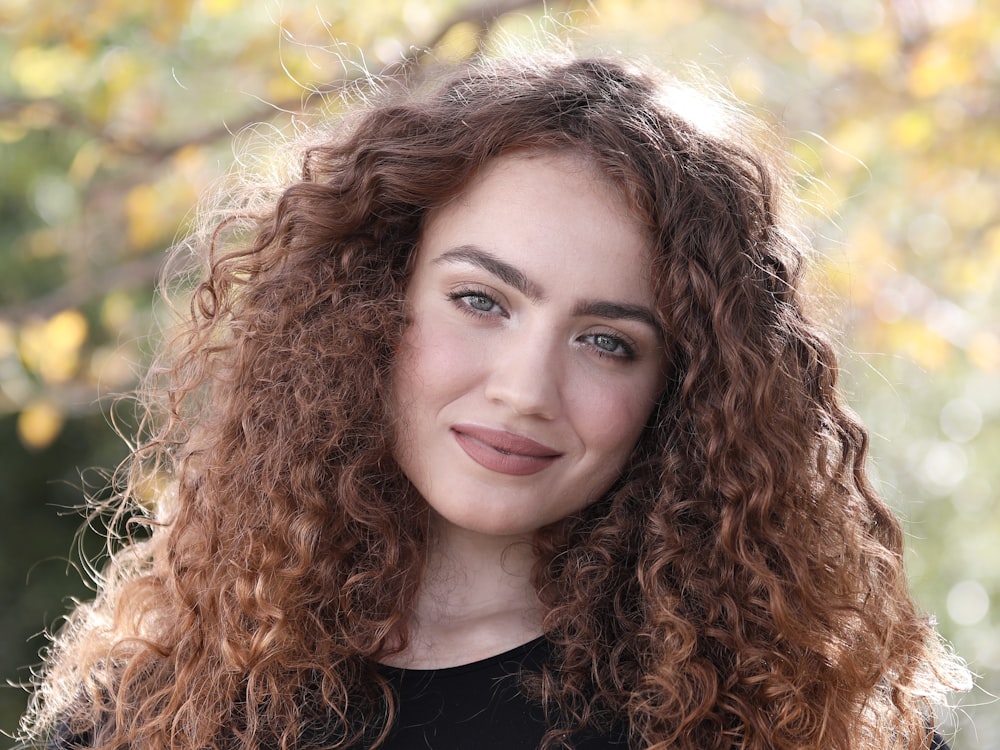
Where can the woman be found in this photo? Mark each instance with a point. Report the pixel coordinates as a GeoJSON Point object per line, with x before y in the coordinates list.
{"type": "Point", "coordinates": [504, 426]}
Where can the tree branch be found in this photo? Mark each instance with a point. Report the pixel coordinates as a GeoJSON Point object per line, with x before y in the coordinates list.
{"type": "Point", "coordinates": [76, 292]}
{"type": "Point", "coordinates": [143, 271]}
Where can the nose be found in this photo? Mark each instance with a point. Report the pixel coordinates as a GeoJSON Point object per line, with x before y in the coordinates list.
{"type": "Point", "coordinates": [525, 375]}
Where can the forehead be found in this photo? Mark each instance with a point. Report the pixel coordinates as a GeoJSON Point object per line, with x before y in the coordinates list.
{"type": "Point", "coordinates": [551, 212]}
{"type": "Point", "coordinates": [541, 168]}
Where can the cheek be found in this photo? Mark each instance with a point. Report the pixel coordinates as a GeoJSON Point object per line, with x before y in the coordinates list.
{"type": "Point", "coordinates": [434, 360]}
{"type": "Point", "coordinates": [611, 418]}
{"type": "Point", "coordinates": [609, 422]}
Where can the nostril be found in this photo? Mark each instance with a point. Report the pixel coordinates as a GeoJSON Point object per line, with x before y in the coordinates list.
{"type": "Point", "coordinates": [526, 389]}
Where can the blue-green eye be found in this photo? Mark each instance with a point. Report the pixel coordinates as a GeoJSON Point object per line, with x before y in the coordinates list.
{"type": "Point", "coordinates": [475, 302]}
{"type": "Point", "coordinates": [479, 302]}
{"type": "Point", "coordinates": [607, 345]}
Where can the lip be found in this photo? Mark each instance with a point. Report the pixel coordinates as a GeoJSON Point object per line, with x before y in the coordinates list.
{"type": "Point", "coordinates": [502, 451]}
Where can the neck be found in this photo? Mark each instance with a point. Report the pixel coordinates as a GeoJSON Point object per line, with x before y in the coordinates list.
{"type": "Point", "coordinates": [476, 599]}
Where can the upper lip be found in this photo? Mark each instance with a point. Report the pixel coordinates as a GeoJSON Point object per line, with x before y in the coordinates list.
{"type": "Point", "coordinates": [507, 442]}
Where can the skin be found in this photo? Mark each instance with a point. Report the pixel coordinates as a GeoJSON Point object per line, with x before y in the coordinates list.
{"type": "Point", "coordinates": [530, 365]}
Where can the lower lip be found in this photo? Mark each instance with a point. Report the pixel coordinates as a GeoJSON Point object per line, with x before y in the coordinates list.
{"type": "Point", "coordinates": [503, 463]}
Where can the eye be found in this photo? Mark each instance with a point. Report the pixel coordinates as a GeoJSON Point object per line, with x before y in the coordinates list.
{"type": "Point", "coordinates": [609, 345]}
{"type": "Point", "coordinates": [479, 302]}
{"type": "Point", "coordinates": [475, 302]}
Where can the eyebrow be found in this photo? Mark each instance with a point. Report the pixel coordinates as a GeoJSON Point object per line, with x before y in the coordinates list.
{"type": "Point", "coordinates": [619, 311]}
{"type": "Point", "coordinates": [504, 271]}
{"type": "Point", "coordinates": [517, 279]}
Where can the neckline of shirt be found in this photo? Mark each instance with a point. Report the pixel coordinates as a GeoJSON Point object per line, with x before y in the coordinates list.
{"type": "Point", "coordinates": [516, 655]}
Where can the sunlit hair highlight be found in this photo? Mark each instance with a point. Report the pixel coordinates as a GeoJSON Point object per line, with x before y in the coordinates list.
{"type": "Point", "coordinates": [740, 586]}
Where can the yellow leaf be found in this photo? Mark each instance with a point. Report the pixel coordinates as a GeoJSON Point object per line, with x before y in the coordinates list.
{"type": "Point", "coordinates": [876, 52]}
{"type": "Point", "coordinates": [969, 274]}
{"type": "Point", "coordinates": [219, 8]}
{"type": "Point", "coordinates": [52, 348]}
{"type": "Point", "coordinates": [913, 338]}
{"type": "Point", "coordinates": [86, 162]}
{"type": "Point", "coordinates": [44, 72]}
{"type": "Point", "coordinates": [459, 42]}
{"type": "Point", "coordinates": [912, 130]}
{"type": "Point", "coordinates": [122, 71]}
{"type": "Point", "coordinates": [984, 351]}
{"type": "Point", "coordinates": [831, 55]}
{"type": "Point", "coordinates": [189, 158]}
{"type": "Point", "coordinates": [116, 310]}
{"type": "Point", "coordinates": [142, 207]}
{"type": "Point", "coordinates": [870, 249]}
{"type": "Point", "coordinates": [747, 81]}
{"type": "Point", "coordinates": [67, 330]}
{"type": "Point", "coordinates": [39, 424]}
{"type": "Point", "coordinates": [852, 144]}
{"type": "Point", "coordinates": [11, 133]}
{"type": "Point", "coordinates": [169, 19]}
{"type": "Point", "coordinates": [992, 243]}
{"type": "Point", "coordinates": [938, 67]}
{"type": "Point", "coordinates": [972, 205]}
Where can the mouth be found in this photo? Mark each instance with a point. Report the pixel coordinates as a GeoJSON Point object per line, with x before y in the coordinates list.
{"type": "Point", "coordinates": [504, 452]}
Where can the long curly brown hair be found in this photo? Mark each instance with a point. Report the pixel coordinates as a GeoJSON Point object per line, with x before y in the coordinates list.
{"type": "Point", "coordinates": [741, 586]}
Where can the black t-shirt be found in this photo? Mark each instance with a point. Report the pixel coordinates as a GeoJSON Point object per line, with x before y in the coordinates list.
{"type": "Point", "coordinates": [480, 706]}
{"type": "Point", "coordinates": [477, 706]}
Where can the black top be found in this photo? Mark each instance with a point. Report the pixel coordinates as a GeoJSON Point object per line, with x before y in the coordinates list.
{"type": "Point", "coordinates": [477, 706]}
{"type": "Point", "coordinates": [480, 706]}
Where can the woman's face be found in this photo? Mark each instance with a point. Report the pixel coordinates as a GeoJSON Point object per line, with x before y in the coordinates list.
{"type": "Point", "coordinates": [532, 358]}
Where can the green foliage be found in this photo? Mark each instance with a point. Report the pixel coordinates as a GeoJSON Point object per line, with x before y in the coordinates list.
{"type": "Point", "coordinates": [116, 115]}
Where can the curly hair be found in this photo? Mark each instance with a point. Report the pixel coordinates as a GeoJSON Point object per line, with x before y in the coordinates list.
{"type": "Point", "coordinates": [741, 585]}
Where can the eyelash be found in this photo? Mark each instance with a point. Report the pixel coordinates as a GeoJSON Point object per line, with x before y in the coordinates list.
{"type": "Point", "coordinates": [461, 297]}
{"type": "Point", "coordinates": [628, 350]}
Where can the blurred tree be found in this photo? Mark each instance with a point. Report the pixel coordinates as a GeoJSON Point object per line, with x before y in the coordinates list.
{"type": "Point", "coordinates": [115, 116]}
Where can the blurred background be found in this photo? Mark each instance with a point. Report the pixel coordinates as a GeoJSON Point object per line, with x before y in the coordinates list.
{"type": "Point", "coordinates": [115, 115]}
